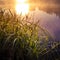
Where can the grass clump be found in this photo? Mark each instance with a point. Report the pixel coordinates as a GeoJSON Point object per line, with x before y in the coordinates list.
{"type": "Point", "coordinates": [19, 38]}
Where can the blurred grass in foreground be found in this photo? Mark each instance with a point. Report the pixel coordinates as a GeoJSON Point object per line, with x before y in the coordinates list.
{"type": "Point", "coordinates": [21, 39]}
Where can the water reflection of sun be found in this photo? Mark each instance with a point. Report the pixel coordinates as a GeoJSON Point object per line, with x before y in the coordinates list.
{"type": "Point", "coordinates": [21, 7]}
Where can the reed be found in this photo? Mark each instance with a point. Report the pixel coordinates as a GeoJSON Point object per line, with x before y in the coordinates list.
{"type": "Point", "coordinates": [21, 39]}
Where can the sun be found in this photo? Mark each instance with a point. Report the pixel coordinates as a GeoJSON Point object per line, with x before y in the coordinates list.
{"type": "Point", "coordinates": [21, 7]}
{"type": "Point", "coordinates": [20, 1]}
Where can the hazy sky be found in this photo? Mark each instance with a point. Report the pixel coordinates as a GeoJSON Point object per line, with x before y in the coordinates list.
{"type": "Point", "coordinates": [33, 3]}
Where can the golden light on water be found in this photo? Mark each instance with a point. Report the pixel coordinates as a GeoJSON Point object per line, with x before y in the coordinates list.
{"type": "Point", "coordinates": [21, 7]}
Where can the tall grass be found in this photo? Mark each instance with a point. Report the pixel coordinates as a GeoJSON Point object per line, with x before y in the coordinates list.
{"type": "Point", "coordinates": [21, 39]}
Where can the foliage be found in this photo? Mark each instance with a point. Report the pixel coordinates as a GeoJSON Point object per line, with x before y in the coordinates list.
{"type": "Point", "coordinates": [22, 39]}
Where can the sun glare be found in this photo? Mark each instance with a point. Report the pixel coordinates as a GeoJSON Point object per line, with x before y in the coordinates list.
{"type": "Point", "coordinates": [21, 7]}
{"type": "Point", "coordinates": [20, 1]}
